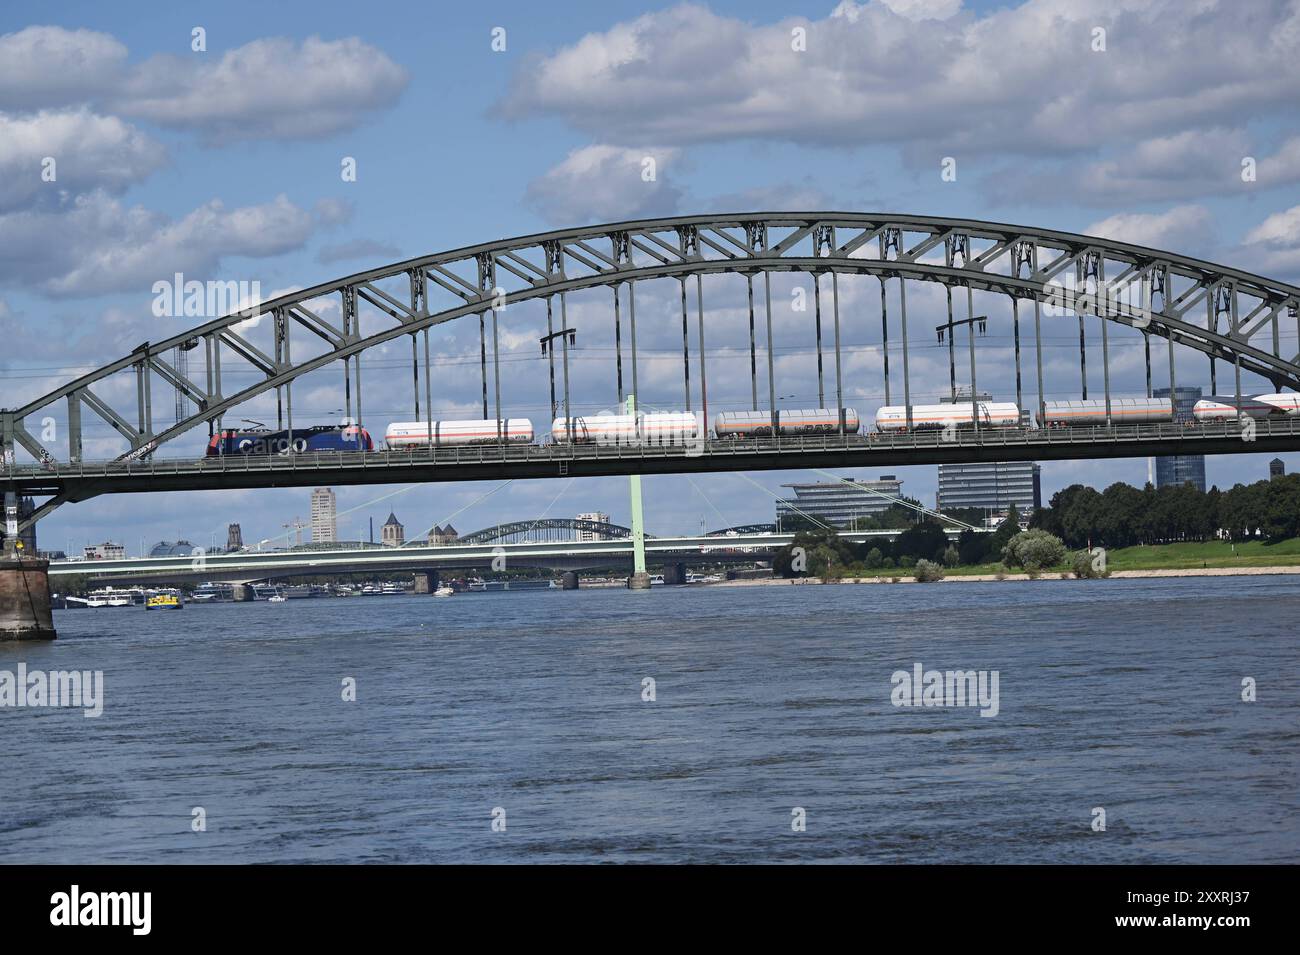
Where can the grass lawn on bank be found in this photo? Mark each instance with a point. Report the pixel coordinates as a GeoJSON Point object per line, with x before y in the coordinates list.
{"type": "Point", "coordinates": [1216, 554]}
{"type": "Point", "coordinates": [1208, 554]}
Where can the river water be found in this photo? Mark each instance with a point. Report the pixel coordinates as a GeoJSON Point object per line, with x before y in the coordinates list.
{"type": "Point", "coordinates": [1122, 695]}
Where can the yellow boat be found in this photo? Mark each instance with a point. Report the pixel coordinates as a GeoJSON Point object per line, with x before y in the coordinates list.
{"type": "Point", "coordinates": [163, 602]}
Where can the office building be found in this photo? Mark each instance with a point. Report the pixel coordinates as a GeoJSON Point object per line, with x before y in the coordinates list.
{"type": "Point", "coordinates": [105, 551]}
{"type": "Point", "coordinates": [991, 486]}
{"type": "Point", "coordinates": [596, 517]}
{"type": "Point", "coordinates": [838, 503]}
{"type": "Point", "coordinates": [324, 526]}
{"type": "Point", "coordinates": [1183, 468]}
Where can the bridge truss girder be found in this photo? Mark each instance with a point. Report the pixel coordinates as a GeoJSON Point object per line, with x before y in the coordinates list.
{"type": "Point", "coordinates": [504, 533]}
{"type": "Point", "coordinates": [487, 279]}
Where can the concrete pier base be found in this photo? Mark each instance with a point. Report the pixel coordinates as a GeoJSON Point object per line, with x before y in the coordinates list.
{"type": "Point", "coordinates": [25, 599]}
{"type": "Point", "coordinates": [426, 581]}
{"type": "Point", "coordinates": [639, 581]}
{"type": "Point", "coordinates": [569, 580]}
{"type": "Point", "coordinates": [241, 592]}
{"type": "Point", "coordinates": [674, 573]}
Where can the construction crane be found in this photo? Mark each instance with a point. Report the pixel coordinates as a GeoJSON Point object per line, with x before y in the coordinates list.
{"type": "Point", "coordinates": [296, 525]}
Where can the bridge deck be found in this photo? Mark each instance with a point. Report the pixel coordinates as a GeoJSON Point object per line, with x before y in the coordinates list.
{"type": "Point", "coordinates": [79, 481]}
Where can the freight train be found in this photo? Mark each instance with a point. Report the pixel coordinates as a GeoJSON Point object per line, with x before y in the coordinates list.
{"type": "Point", "coordinates": [451, 434]}
{"type": "Point", "coordinates": [1082, 414]}
{"type": "Point", "coordinates": [297, 441]}
{"type": "Point", "coordinates": [789, 423]}
{"type": "Point", "coordinates": [682, 427]}
{"type": "Point", "coordinates": [892, 419]}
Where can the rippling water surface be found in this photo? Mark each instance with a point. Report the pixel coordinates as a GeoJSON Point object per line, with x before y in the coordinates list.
{"type": "Point", "coordinates": [1116, 694]}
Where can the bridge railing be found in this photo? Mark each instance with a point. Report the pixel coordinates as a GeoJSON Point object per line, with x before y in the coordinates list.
{"type": "Point", "coordinates": [324, 461]}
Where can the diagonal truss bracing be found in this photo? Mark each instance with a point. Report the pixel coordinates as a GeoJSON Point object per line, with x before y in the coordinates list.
{"type": "Point", "coordinates": [1227, 314]}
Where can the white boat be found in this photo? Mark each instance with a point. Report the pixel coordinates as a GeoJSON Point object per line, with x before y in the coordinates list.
{"type": "Point", "coordinates": [277, 599]}
{"type": "Point", "coordinates": [443, 591]}
{"type": "Point", "coordinates": [104, 598]}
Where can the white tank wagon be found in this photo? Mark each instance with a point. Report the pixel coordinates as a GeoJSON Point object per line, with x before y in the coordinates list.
{"type": "Point", "coordinates": [1082, 414]}
{"type": "Point", "coordinates": [1220, 407]}
{"type": "Point", "coordinates": [992, 414]}
{"type": "Point", "coordinates": [655, 428]}
{"type": "Point", "coordinates": [452, 434]}
{"type": "Point", "coordinates": [758, 424]}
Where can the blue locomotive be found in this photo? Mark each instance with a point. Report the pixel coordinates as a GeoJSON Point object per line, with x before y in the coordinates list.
{"type": "Point", "coordinates": [297, 441]}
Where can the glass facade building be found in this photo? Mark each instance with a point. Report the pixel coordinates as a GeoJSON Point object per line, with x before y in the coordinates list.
{"type": "Point", "coordinates": [837, 503]}
{"type": "Point", "coordinates": [1182, 468]}
{"type": "Point", "coordinates": [992, 486]}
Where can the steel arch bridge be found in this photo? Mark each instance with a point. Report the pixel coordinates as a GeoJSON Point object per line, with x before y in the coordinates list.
{"type": "Point", "coordinates": [1230, 316]}
{"type": "Point", "coordinates": [547, 530]}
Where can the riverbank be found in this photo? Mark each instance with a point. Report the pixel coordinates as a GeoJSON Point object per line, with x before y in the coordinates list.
{"type": "Point", "coordinates": [904, 576]}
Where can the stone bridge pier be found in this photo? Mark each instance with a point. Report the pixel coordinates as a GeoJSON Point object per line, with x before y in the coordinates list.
{"type": "Point", "coordinates": [675, 573]}
{"type": "Point", "coordinates": [24, 598]}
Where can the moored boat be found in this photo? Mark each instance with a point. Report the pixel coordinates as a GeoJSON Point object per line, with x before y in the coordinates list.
{"type": "Point", "coordinates": [164, 601]}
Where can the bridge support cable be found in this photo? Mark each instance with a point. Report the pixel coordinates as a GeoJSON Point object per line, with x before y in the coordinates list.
{"type": "Point", "coordinates": [496, 373]}
{"type": "Point", "coordinates": [547, 510]}
{"type": "Point", "coordinates": [707, 500]}
{"type": "Point", "coordinates": [1038, 355]}
{"type": "Point", "coordinates": [884, 334]}
{"type": "Point", "coordinates": [1098, 306]}
{"type": "Point", "coordinates": [815, 521]}
{"type": "Point", "coordinates": [415, 374]}
{"type": "Point", "coordinates": [456, 513]}
{"type": "Point", "coordinates": [1146, 357]}
{"type": "Point", "coordinates": [753, 353]}
{"type": "Point", "coordinates": [686, 346]}
{"type": "Point", "coordinates": [618, 348]}
{"type": "Point", "coordinates": [1081, 279]}
{"type": "Point", "coordinates": [919, 508]}
{"type": "Point", "coordinates": [1212, 323]}
{"type": "Point", "coordinates": [704, 375]}
{"type": "Point", "coordinates": [639, 580]}
{"type": "Point", "coordinates": [566, 336]}
{"type": "Point", "coordinates": [347, 385]}
{"type": "Point", "coordinates": [817, 323]}
{"type": "Point", "coordinates": [839, 379]}
{"type": "Point", "coordinates": [952, 354]}
{"type": "Point", "coordinates": [1015, 334]}
{"type": "Point", "coordinates": [428, 388]}
{"type": "Point", "coordinates": [288, 385]}
{"type": "Point", "coordinates": [970, 339]}
{"type": "Point", "coordinates": [771, 363]}
{"type": "Point", "coordinates": [902, 314]}
{"type": "Point", "coordinates": [548, 349]}
{"type": "Point", "coordinates": [631, 322]}
{"type": "Point", "coordinates": [482, 359]}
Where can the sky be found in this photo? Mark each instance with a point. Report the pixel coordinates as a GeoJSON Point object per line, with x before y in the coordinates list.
{"type": "Point", "coordinates": [477, 122]}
